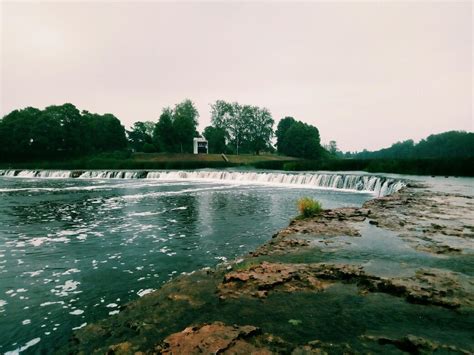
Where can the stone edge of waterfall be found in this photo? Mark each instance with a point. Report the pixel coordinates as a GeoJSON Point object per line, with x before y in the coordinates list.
{"type": "Point", "coordinates": [378, 185]}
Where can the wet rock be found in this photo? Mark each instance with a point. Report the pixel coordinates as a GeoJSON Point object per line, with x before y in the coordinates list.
{"type": "Point", "coordinates": [280, 245]}
{"type": "Point", "coordinates": [216, 338]}
{"type": "Point", "coordinates": [258, 280]}
{"type": "Point", "coordinates": [416, 345]}
{"type": "Point", "coordinates": [429, 287]}
{"type": "Point", "coordinates": [318, 347]}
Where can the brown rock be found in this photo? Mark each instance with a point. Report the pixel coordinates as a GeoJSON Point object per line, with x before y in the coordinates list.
{"type": "Point", "coordinates": [212, 339]}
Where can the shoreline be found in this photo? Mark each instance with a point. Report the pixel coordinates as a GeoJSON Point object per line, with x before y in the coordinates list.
{"type": "Point", "coordinates": [232, 307]}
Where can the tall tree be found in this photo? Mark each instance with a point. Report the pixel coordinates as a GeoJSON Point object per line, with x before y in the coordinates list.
{"type": "Point", "coordinates": [283, 126]}
{"type": "Point", "coordinates": [185, 123]}
{"type": "Point", "coordinates": [216, 137]}
{"type": "Point", "coordinates": [302, 140]}
{"type": "Point", "coordinates": [248, 127]}
{"type": "Point", "coordinates": [164, 135]}
{"type": "Point", "coordinates": [258, 127]}
{"type": "Point", "coordinates": [140, 136]}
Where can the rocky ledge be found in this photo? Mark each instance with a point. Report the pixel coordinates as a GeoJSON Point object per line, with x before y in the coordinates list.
{"type": "Point", "coordinates": [393, 276]}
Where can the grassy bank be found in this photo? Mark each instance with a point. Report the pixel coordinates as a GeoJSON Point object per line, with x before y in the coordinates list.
{"type": "Point", "coordinates": [124, 160]}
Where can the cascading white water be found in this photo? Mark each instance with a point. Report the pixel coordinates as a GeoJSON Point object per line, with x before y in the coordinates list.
{"type": "Point", "coordinates": [378, 185]}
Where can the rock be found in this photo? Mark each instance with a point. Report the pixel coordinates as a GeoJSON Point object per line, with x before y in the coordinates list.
{"type": "Point", "coordinates": [416, 345]}
{"type": "Point", "coordinates": [433, 286]}
{"type": "Point", "coordinates": [214, 338]}
{"type": "Point", "coordinates": [318, 347]}
{"type": "Point", "coordinates": [120, 349]}
{"type": "Point", "coordinates": [258, 280]}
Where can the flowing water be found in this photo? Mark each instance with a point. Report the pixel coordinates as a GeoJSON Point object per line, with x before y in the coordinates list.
{"type": "Point", "coordinates": [75, 246]}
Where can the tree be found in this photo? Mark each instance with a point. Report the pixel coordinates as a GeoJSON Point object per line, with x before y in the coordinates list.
{"type": "Point", "coordinates": [164, 136]}
{"type": "Point", "coordinates": [113, 135]}
{"type": "Point", "coordinates": [302, 140]}
{"type": "Point", "coordinates": [216, 137]}
{"type": "Point", "coordinates": [228, 116]}
{"type": "Point", "coordinates": [185, 121]}
{"type": "Point", "coordinates": [248, 127]}
{"type": "Point", "coordinates": [222, 113]}
{"type": "Point", "coordinates": [258, 128]}
{"type": "Point", "coordinates": [140, 135]}
{"type": "Point", "coordinates": [283, 126]}
{"type": "Point", "coordinates": [74, 128]}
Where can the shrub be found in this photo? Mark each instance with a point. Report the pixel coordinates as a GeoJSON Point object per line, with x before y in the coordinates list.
{"type": "Point", "coordinates": [309, 207]}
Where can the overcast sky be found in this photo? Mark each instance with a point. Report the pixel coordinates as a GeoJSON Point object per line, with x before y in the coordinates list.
{"type": "Point", "coordinates": [366, 74]}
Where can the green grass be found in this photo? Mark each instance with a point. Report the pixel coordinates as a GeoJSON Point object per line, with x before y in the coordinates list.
{"type": "Point", "coordinates": [144, 161]}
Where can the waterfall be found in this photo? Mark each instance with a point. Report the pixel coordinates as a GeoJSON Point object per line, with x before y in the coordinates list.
{"type": "Point", "coordinates": [378, 185]}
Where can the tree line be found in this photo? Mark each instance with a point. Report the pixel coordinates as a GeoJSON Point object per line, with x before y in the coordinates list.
{"type": "Point", "coordinates": [63, 131]}
{"type": "Point", "coordinates": [234, 129]}
{"type": "Point", "coordinates": [57, 132]}
{"type": "Point", "coordinates": [451, 144]}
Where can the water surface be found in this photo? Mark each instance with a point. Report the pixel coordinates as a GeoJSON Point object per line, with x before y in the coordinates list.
{"type": "Point", "coordinates": [72, 251]}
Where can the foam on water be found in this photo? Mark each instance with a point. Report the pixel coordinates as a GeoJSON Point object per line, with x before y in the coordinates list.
{"type": "Point", "coordinates": [29, 344]}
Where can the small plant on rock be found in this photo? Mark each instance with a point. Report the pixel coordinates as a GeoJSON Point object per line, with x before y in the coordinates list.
{"type": "Point", "coordinates": [309, 207]}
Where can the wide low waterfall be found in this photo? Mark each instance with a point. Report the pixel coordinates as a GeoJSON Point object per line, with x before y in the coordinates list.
{"type": "Point", "coordinates": [378, 185]}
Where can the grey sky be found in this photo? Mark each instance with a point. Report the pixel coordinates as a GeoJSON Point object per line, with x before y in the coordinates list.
{"type": "Point", "coordinates": [366, 74]}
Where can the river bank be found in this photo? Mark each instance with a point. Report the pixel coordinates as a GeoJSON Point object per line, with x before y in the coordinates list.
{"type": "Point", "coordinates": [395, 275]}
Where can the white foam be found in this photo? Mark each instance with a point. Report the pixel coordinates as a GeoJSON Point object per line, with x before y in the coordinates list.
{"type": "Point", "coordinates": [179, 208]}
{"type": "Point", "coordinates": [71, 271]}
{"type": "Point", "coordinates": [143, 292]}
{"type": "Point", "coordinates": [29, 344]}
{"type": "Point", "coordinates": [44, 304]}
{"type": "Point", "coordinates": [33, 273]}
{"type": "Point", "coordinates": [63, 290]}
{"type": "Point", "coordinates": [76, 312]}
{"type": "Point", "coordinates": [80, 326]}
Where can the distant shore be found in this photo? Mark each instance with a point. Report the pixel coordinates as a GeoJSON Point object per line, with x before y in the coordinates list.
{"type": "Point", "coordinates": [137, 161]}
{"type": "Point", "coordinates": [280, 297]}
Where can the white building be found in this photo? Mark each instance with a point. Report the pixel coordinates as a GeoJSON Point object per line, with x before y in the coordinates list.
{"type": "Point", "coordinates": [200, 146]}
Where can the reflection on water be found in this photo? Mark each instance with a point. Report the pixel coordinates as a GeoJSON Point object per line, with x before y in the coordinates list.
{"type": "Point", "coordinates": [73, 251]}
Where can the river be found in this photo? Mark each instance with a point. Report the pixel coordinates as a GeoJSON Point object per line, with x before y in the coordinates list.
{"type": "Point", "coordinates": [75, 246]}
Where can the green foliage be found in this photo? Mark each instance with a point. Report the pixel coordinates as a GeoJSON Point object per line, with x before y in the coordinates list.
{"type": "Point", "coordinates": [185, 121]}
{"type": "Point", "coordinates": [309, 207]}
{"type": "Point", "coordinates": [140, 137]}
{"type": "Point", "coordinates": [452, 144]}
{"type": "Point", "coordinates": [164, 136]}
{"type": "Point", "coordinates": [453, 166]}
{"type": "Point", "coordinates": [216, 139]}
{"type": "Point", "coordinates": [283, 126]}
{"type": "Point", "coordinates": [258, 128]}
{"type": "Point", "coordinates": [247, 128]}
{"type": "Point", "coordinates": [176, 128]}
{"type": "Point", "coordinates": [58, 131]}
{"type": "Point", "coordinates": [300, 140]}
